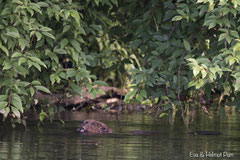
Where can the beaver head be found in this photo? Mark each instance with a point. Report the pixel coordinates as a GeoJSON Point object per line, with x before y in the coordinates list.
{"type": "Point", "coordinates": [94, 127]}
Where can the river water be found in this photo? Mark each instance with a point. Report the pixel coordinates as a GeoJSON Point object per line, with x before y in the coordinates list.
{"type": "Point", "coordinates": [53, 141]}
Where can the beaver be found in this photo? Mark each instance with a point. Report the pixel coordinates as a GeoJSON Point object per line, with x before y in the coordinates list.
{"type": "Point", "coordinates": [94, 127]}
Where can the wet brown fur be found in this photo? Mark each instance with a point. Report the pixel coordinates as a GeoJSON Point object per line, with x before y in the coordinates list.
{"type": "Point", "coordinates": [94, 127]}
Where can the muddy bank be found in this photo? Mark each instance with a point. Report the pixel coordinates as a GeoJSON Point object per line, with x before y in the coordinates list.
{"type": "Point", "coordinates": [110, 101]}
{"type": "Point", "coordinates": [71, 100]}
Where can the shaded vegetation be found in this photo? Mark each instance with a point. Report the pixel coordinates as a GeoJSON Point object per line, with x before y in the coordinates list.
{"type": "Point", "coordinates": [165, 52]}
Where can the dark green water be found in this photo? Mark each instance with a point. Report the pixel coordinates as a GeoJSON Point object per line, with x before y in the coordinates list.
{"type": "Point", "coordinates": [169, 141]}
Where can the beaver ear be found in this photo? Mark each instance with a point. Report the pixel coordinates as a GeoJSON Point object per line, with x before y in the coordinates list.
{"type": "Point", "coordinates": [93, 124]}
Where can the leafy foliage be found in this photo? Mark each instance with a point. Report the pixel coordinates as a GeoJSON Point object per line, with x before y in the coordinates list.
{"type": "Point", "coordinates": [37, 38]}
{"type": "Point", "coordinates": [183, 46]}
{"type": "Point", "coordinates": [166, 49]}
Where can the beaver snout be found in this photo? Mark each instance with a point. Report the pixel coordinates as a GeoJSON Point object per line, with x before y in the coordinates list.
{"type": "Point", "coordinates": [81, 130]}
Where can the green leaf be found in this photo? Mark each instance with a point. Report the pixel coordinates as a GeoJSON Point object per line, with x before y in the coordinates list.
{"type": "Point", "coordinates": [236, 47]}
{"type": "Point", "coordinates": [43, 4]}
{"type": "Point", "coordinates": [35, 82]}
{"type": "Point", "coordinates": [17, 2]}
{"type": "Point", "coordinates": [35, 7]}
{"type": "Point", "coordinates": [49, 41]}
{"type": "Point", "coordinates": [4, 49]}
{"type": "Point", "coordinates": [134, 71]}
{"type": "Point", "coordinates": [89, 86]}
{"type": "Point", "coordinates": [212, 25]}
{"type": "Point", "coordinates": [30, 63]}
{"type": "Point", "coordinates": [22, 83]}
{"type": "Point", "coordinates": [96, 27]}
{"type": "Point", "coordinates": [42, 115]}
{"type": "Point", "coordinates": [31, 11]}
{"type": "Point", "coordinates": [143, 93]}
{"type": "Point", "coordinates": [3, 97]}
{"type": "Point", "coordinates": [21, 60]}
{"type": "Point", "coordinates": [196, 70]}
{"type": "Point", "coordinates": [161, 38]}
{"type": "Point", "coordinates": [204, 73]}
{"type": "Point", "coordinates": [45, 29]}
{"type": "Point", "coordinates": [139, 98]}
{"type": "Point", "coordinates": [52, 78]}
{"type": "Point", "coordinates": [16, 112]}
{"type": "Point", "coordinates": [76, 88]}
{"type": "Point", "coordinates": [234, 12]}
{"type": "Point", "coordinates": [60, 51]}
{"type": "Point", "coordinates": [31, 91]}
{"type": "Point", "coordinates": [6, 65]}
{"type": "Point", "coordinates": [66, 28]}
{"type": "Point", "coordinates": [163, 114]}
{"type": "Point", "coordinates": [169, 14]}
{"type": "Point", "coordinates": [231, 60]}
{"type": "Point", "coordinates": [48, 35]}
{"type": "Point", "coordinates": [193, 61]}
{"type": "Point", "coordinates": [130, 95]}
{"type": "Point", "coordinates": [75, 56]}
{"type": "Point", "coordinates": [150, 84]}
{"type": "Point", "coordinates": [36, 65]}
{"type": "Point", "coordinates": [139, 78]}
{"type": "Point", "coordinates": [181, 12]}
{"type": "Point", "coordinates": [21, 70]}
{"type": "Point", "coordinates": [222, 36]}
{"type": "Point", "coordinates": [234, 33]}
{"type": "Point", "coordinates": [187, 45]}
{"type": "Point", "coordinates": [135, 43]}
{"type": "Point", "coordinates": [42, 88]}
{"type": "Point", "coordinates": [22, 43]}
{"type": "Point", "coordinates": [93, 93]}
{"type": "Point", "coordinates": [169, 5]}
{"type": "Point", "coordinates": [38, 35]}
{"type": "Point", "coordinates": [32, 33]}
{"type": "Point", "coordinates": [229, 39]}
{"type": "Point", "coordinates": [64, 42]}
{"type": "Point", "coordinates": [13, 34]}
{"type": "Point", "coordinates": [100, 83]}
{"type": "Point", "coordinates": [200, 83]}
{"type": "Point", "coordinates": [101, 92]}
{"type": "Point", "coordinates": [38, 61]}
{"type": "Point", "coordinates": [97, 2]}
{"type": "Point", "coordinates": [177, 18]}
{"type": "Point", "coordinates": [40, 43]}
{"type": "Point", "coordinates": [16, 54]}
{"type": "Point", "coordinates": [71, 72]}
{"type": "Point", "coordinates": [17, 102]}
{"type": "Point", "coordinates": [63, 75]}
{"type": "Point", "coordinates": [115, 2]}
{"type": "Point", "coordinates": [3, 104]}
{"type": "Point", "coordinates": [76, 45]}
{"type": "Point", "coordinates": [78, 77]}
{"type": "Point", "coordinates": [75, 15]}
{"type": "Point", "coordinates": [82, 30]}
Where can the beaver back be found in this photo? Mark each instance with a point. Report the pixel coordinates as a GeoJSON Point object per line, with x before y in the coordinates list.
{"type": "Point", "coordinates": [94, 127]}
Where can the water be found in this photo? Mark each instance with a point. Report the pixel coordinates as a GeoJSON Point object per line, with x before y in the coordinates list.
{"type": "Point", "coordinates": [168, 141]}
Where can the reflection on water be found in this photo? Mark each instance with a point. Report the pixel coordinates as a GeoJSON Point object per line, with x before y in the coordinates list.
{"type": "Point", "coordinates": [168, 141]}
